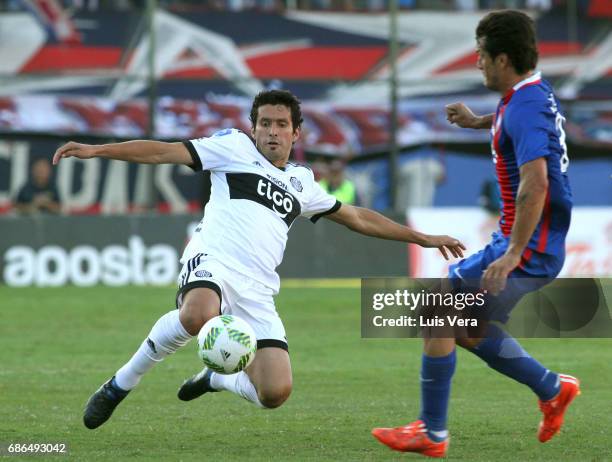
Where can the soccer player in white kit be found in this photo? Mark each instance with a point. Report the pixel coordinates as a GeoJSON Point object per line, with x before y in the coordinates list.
{"type": "Point", "coordinates": [230, 262]}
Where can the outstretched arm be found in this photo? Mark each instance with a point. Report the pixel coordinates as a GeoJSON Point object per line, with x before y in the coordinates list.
{"type": "Point", "coordinates": [140, 151]}
{"type": "Point", "coordinates": [462, 116]}
{"type": "Point", "coordinates": [371, 223]}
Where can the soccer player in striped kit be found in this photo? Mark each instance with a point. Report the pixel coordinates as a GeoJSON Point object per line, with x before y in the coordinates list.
{"type": "Point", "coordinates": [528, 250]}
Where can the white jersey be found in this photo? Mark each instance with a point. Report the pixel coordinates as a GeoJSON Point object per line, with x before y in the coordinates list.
{"type": "Point", "coordinates": [252, 205]}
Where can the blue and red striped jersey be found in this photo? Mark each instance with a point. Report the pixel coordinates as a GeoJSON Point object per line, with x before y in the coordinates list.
{"type": "Point", "coordinates": [528, 124]}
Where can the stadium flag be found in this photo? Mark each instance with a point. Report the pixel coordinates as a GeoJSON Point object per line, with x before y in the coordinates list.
{"type": "Point", "coordinates": [53, 17]}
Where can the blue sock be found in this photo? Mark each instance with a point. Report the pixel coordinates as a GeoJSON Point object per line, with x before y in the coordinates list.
{"type": "Point", "coordinates": [504, 354]}
{"type": "Point", "coordinates": [436, 375]}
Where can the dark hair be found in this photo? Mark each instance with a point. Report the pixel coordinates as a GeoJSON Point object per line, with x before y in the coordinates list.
{"type": "Point", "coordinates": [284, 97]}
{"type": "Point", "coordinates": [511, 32]}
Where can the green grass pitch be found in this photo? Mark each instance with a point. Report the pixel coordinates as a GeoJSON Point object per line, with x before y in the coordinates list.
{"type": "Point", "coordinates": [58, 345]}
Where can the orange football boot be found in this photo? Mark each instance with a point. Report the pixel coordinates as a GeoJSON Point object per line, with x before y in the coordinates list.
{"type": "Point", "coordinates": [554, 409]}
{"type": "Point", "coordinates": [411, 438]}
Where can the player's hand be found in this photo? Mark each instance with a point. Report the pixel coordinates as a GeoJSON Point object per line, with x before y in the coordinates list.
{"type": "Point", "coordinates": [495, 276]}
{"type": "Point", "coordinates": [461, 115]}
{"type": "Point", "coordinates": [446, 245]}
{"type": "Point", "coordinates": [72, 149]}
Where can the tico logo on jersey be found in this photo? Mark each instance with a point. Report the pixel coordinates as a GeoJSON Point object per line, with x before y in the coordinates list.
{"type": "Point", "coordinates": [263, 191]}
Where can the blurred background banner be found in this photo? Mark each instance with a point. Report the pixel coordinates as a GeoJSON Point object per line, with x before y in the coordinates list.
{"type": "Point", "coordinates": [98, 185]}
{"type": "Point", "coordinates": [119, 250]}
{"type": "Point", "coordinates": [104, 71]}
{"type": "Point", "coordinates": [90, 72]}
{"type": "Point", "coordinates": [430, 176]}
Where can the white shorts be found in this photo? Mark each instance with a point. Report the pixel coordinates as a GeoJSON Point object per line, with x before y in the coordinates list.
{"type": "Point", "coordinates": [240, 295]}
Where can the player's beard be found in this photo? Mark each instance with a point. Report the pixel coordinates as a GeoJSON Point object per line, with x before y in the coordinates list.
{"type": "Point", "coordinates": [490, 81]}
{"type": "Point", "coordinates": [275, 155]}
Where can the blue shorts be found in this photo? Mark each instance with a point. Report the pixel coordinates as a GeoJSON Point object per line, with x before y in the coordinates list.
{"type": "Point", "coordinates": [531, 275]}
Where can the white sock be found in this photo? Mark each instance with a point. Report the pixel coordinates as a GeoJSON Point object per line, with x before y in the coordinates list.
{"type": "Point", "coordinates": [440, 435]}
{"type": "Point", "coordinates": [166, 336]}
{"type": "Point", "coordinates": [239, 383]}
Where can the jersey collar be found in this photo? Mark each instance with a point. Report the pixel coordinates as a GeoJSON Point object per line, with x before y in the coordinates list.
{"type": "Point", "coordinates": [533, 79]}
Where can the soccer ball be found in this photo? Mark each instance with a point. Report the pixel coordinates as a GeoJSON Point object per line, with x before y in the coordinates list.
{"type": "Point", "coordinates": [227, 344]}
